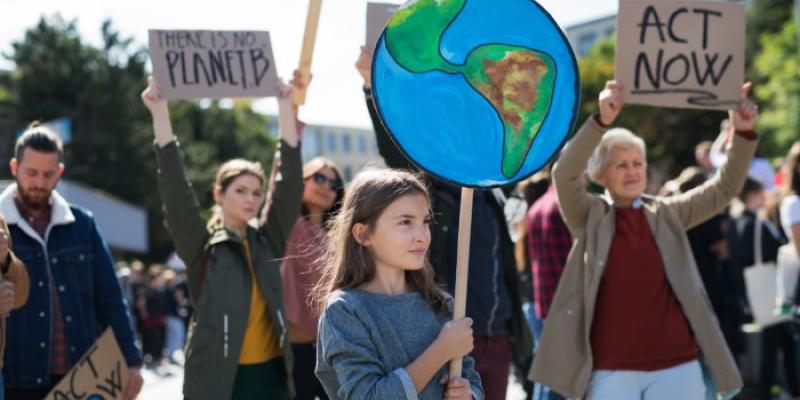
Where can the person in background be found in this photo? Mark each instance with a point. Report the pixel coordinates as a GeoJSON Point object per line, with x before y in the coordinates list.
{"type": "Point", "coordinates": [494, 301]}
{"type": "Point", "coordinates": [386, 331]}
{"type": "Point", "coordinates": [237, 347]}
{"type": "Point", "coordinates": [789, 254]}
{"type": "Point", "coordinates": [301, 269]}
{"type": "Point", "coordinates": [776, 338]}
{"type": "Point", "coordinates": [549, 243]}
{"type": "Point", "coordinates": [14, 288]}
{"type": "Point", "coordinates": [630, 318]}
{"type": "Point", "coordinates": [75, 294]}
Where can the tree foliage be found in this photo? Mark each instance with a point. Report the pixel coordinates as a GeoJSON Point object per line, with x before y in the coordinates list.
{"type": "Point", "coordinates": [779, 65]}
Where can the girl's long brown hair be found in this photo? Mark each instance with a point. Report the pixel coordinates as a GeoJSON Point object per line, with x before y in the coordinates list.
{"type": "Point", "coordinates": [347, 264]}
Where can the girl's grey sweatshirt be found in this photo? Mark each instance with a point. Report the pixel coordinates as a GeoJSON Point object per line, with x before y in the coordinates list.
{"type": "Point", "coordinates": [366, 340]}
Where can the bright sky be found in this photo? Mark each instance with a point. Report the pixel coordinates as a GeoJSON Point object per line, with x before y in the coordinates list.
{"type": "Point", "coordinates": [334, 97]}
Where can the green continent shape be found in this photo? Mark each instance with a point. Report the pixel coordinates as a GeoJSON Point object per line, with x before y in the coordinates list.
{"type": "Point", "coordinates": [414, 31]}
{"type": "Point", "coordinates": [518, 82]}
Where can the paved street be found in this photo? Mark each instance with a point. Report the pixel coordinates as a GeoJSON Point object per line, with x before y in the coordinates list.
{"type": "Point", "coordinates": [166, 385]}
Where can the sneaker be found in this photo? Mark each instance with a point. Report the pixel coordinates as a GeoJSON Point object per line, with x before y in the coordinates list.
{"type": "Point", "coordinates": [785, 309]}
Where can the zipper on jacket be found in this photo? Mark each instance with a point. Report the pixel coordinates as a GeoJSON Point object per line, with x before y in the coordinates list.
{"type": "Point", "coordinates": [225, 335]}
{"type": "Point", "coordinates": [495, 276]}
{"type": "Point", "coordinates": [282, 338]}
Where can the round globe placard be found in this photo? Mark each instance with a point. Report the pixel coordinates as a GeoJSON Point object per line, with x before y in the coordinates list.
{"type": "Point", "coordinates": [481, 93]}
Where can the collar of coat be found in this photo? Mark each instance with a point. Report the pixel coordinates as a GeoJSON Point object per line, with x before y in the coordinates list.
{"type": "Point", "coordinates": [647, 202]}
{"type": "Point", "coordinates": [218, 233]}
{"type": "Point", "coordinates": [59, 208]}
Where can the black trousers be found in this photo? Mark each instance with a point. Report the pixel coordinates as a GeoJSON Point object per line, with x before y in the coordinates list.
{"type": "Point", "coordinates": [306, 383]}
{"type": "Point", "coordinates": [773, 339]}
{"type": "Point", "coordinates": [33, 393]}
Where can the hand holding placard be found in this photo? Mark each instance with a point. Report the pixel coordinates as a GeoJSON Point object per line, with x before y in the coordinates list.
{"type": "Point", "coordinates": [287, 124]}
{"type": "Point", "coordinates": [152, 99]}
{"type": "Point", "coordinates": [745, 116]}
{"type": "Point", "coordinates": [611, 101]}
{"type": "Point", "coordinates": [364, 67]}
{"type": "Point", "coordinates": [680, 53]}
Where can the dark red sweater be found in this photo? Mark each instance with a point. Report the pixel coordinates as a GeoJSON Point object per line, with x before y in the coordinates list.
{"type": "Point", "coordinates": [638, 323]}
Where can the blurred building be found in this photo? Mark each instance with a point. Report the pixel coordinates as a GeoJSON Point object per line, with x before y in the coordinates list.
{"type": "Point", "coordinates": [123, 225]}
{"type": "Point", "coordinates": [582, 37]}
{"type": "Point", "coordinates": [350, 148]}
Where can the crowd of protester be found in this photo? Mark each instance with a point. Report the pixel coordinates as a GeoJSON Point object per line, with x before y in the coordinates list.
{"type": "Point", "coordinates": [584, 283]}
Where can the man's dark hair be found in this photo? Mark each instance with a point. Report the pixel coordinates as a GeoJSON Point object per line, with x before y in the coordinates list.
{"type": "Point", "coordinates": [39, 138]}
{"type": "Point", "coordinates": [750, 186]}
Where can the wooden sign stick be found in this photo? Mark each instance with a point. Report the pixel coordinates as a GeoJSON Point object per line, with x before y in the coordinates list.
{"type": "Point", "coordinates": [309, 38]}
{"type": "Point", "coordinates": [462, 267]}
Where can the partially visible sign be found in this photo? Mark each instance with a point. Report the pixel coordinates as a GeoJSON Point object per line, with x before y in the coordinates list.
{"type": "Point", "coordinates": [213, 64]}
{"type": "Point", "coordinates": [680, 53]}
{"type": "Point", "coordinates": [101, 374]}
{"type": "Point", "coordinates": [377, 16]}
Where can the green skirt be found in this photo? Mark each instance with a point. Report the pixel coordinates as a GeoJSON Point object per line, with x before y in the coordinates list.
{"type": "Point", "coordinates": [265, 381]}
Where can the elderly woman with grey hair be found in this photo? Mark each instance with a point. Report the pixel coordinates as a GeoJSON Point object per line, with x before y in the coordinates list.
{"type": "Point", "coordinates": [630, 318]}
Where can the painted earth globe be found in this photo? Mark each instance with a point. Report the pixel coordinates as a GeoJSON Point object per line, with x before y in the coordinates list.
{"type": "Point", "coordinates": [480, 93]}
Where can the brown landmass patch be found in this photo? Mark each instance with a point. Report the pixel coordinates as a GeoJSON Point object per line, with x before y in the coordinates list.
{"type": "Point", "coordinates": [520, 72]}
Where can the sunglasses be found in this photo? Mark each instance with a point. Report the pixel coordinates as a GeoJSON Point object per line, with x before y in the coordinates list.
{"type": "Point", "coordinates": [321, 179]}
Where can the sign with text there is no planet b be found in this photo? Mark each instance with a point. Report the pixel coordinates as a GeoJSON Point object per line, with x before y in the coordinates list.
{"type": "Point", "coordinates": [686, 54]}
{"type": "Point", "coordinates": [213, 64]}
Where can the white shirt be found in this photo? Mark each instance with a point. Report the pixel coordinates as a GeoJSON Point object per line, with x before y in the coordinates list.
{"type": "Point", "coordinates": [790, 214]}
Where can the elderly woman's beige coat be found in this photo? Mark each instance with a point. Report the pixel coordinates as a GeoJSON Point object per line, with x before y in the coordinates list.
{"type": "Point", "coordinates": [564, 357]}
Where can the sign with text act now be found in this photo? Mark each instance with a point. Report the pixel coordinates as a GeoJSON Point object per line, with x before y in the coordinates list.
{"type": "Point", "coordinates": [686, 54]}
{"type": "Point", "coordinates": [213, 64]}
{"type": "Point", "coordinates": [101, 374]}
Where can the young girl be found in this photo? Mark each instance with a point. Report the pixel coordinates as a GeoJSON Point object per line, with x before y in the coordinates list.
{"type": "Point", "coordinates": [384, 332]}
{"type": "Point", "coordinates": [301, 270]}
{"type": "Point", "coordinates": [237, 339]}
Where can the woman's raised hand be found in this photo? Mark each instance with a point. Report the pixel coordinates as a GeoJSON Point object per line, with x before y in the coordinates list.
{"type": "Point", "coordinates": [151, 97]}
{"type": "Point", "coordinates": [611, 101]}
{"type": "Point", "coordinates": [162, 127]}
{"type": "Point", "coordinates": [745, 116]}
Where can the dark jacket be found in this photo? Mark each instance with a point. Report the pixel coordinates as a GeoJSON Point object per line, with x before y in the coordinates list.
{"type": "Point", "coordinates": [219, 279]}
{"type": "Point", "coordinates": [494, 300]}
{"type": "Point", "coordinates": [89, 293]}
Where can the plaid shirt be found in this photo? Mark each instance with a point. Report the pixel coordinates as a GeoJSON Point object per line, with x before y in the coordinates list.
{"type": "Point", "coordinates": [58, 346]}
{"type": "Point", "coordinates": [548, 243]}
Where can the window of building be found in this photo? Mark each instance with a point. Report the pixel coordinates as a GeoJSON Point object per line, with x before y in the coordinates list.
{"type": "Point", "coordinates": [348, 173]}
{"type": "Point", "coordinates": [585, 43]}
{"type": "Point", "coordinates": [330, 143]}
{"type": "Point", "coordinates": [346, 143]}
{"type": "Point", "coordinates": [361, 144]}
{"type": "Point", "coordinates": [312, 146]}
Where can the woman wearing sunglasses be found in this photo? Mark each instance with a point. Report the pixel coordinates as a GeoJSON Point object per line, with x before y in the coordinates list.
{"type": "Point", "coordinates": [322, 196]}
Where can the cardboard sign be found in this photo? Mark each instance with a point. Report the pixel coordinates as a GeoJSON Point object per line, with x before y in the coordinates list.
{"type": "Point", "coordinates": [377, 16]}
{"type": "Point", "coordinates": [687, 54]}
{"type": "Point", "coordinates": [101, 374]}
{"type": "Point", "coordinates": [213, 64]}
{"type": "Point", "coordinates": [491, 108]}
